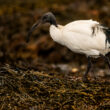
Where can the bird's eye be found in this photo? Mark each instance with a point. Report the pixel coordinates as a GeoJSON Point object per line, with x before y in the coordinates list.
{"type": "Point", "coordinates": [45, 17]}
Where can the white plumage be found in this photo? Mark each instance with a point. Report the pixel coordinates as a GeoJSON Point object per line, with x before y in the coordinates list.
{"type": "Point", "coordinates": [78, 36]}
{"type": "Point", "coordinates": [83, 36]}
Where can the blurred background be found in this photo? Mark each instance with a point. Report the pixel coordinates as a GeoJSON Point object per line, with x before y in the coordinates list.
{"type": "Point", "coordinates": [17, 17]}
{"type": "Point", "coordinates": [41, 74]}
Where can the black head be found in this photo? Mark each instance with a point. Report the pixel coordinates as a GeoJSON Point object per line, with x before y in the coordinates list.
{"type": "Point", "coordinates": [49, 18]}
{"type": "Point", "coordinates": [46, 18]}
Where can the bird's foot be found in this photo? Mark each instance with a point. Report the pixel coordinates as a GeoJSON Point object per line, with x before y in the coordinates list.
{"type": "Point", "coordinates": [95, 78]}
{"type": "Point", "coordinates": [85, 79]}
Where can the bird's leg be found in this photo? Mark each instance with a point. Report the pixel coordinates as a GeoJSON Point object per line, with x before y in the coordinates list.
{"type": "Point", "coordinates": [92, 72]}
{"type": "Point", "coordinates": [88, 69]}
{"type": "Point", "coordinates": [106, 60]}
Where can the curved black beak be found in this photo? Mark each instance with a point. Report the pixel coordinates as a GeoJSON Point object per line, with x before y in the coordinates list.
{"type": "Point", "coordinates": [32, 29]}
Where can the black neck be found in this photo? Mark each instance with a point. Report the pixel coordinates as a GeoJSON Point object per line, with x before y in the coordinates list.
{"type": "Point", "coordinates": [53, 22]}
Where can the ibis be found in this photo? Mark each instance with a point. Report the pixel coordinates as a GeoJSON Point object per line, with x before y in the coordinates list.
{"type": "Point", "coordinates": [87, 37]}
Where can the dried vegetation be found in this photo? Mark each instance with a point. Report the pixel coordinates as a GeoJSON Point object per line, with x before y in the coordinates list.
{"type": "Point", "coordinates": [42, 75]}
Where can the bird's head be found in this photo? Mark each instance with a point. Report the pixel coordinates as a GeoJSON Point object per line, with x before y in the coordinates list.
{"type": "Point", "coordinates": [46, 18]}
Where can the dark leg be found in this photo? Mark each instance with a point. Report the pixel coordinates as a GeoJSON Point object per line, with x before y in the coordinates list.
{"type": "Point", "coordinates": [93, 73]}
{"type": "Point", "coordinates": [106, 60]}
{"type": "Point", "coordinates": [88, 69]}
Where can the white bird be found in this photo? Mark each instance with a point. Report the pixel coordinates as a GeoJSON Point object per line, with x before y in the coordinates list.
{"type": "Point", "coordinates": [82, 36]}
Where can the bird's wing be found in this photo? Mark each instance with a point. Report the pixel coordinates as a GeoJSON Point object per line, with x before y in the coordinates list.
{"type": "Point", "coordinates": [87, 27]}
{"type": "Point", "coordinates": [84, 35]}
